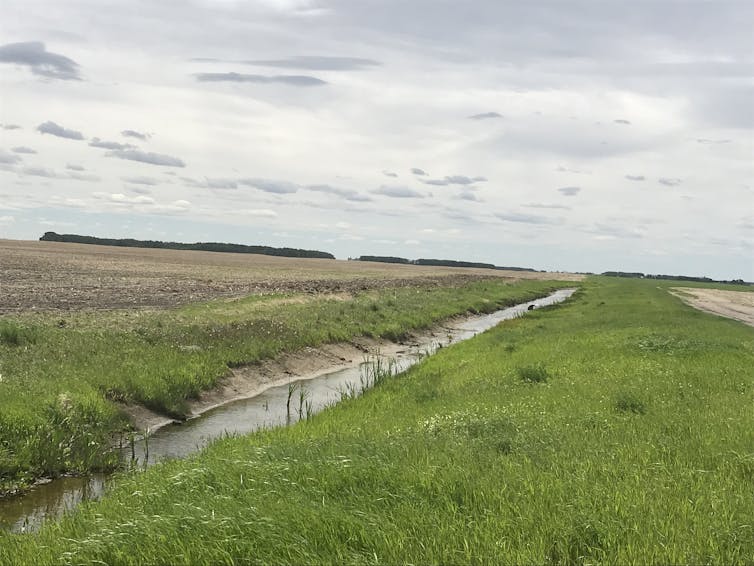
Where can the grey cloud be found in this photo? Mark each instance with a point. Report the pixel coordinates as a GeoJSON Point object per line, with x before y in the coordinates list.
{"type": "Point", "coordinates": [8, 158]}
{"type": "Point", "coordinates": [621, 121]}
{"type": "Point", "coordinates": [635, 177]}
{"type": "Point", "coordinates": [146, 157]}
{"type": "Point", "coordinates": [270, 186]}
{"type": "Point", "coordinates": [54, 129]}
{"type": "Point", "coordinates": [84, 177]}
{"type": "Point", "coordinates": [292, 80]}
{"type": "Point", "coordinates": [669, 182]}
{"type": "Point", "coordinates": [140, 190]}
{"type": "Point", "coordinates": [614, 231]}
{"type": "Point", "coordinates": [569, 191]}
{"type": "Point", "coordinates": [141, 181]}
{"type": "Point", "coordinates": [707, 141]}
{"type": "Point", "coordinates": [398, 192]}
{"type": "Point", "coordinates": [10, 126]}
{"type": "Point", "coordinates": [96, 142]}
{"type": "Point", "coordinates": [562, 169]}
{"type": "Point", "coordinates": [485, 116]}
{"type": "Point", "coordinates": [547, 206]}
{"type": "Point", "coordinates": [417, 171]}
{"type": "Point", "coordinates": [208, 183]}
{"type": "Point", "coordinates": [525, 218]}
{"type": "Point", "coordinates": [455, 180]}
{"type": "Point", "coordinates": [468, 195]}
{"type": "Point", "coordinates": [74, 167]}
{"type": "Point", "coordinates": [135, 134]}
{"type": "Point", "coordinates": [23, 149]}
{"type": "Point", "coordinates": [41, 62]}
{"type": "Point", "coordinates": [389, 174]}
{"type": "Point", "coordinates": [347, 194]}
{"type": "Point", "coordinates": [39, 172]}
{"type": "Point", "coordinates": [317, 63]}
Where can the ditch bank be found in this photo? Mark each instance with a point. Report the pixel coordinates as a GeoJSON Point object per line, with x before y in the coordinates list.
{"type": "Point", "coordinates": [269, 394]}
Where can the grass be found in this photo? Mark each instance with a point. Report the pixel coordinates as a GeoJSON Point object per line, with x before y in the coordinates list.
{"type": "Point", "coordinates": [60, 378]}
{"type": "Point", "coordinates": [627, 454]}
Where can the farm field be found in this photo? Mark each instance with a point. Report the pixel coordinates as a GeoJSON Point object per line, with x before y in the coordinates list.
{"type": "Point", "coordinates": [70, 378]}
{"type": "Point", "coordinates": [44, 276]}
{"type": "Point", "coordinates": [733, 304]}
{"type": "Point", "coordinates": [615, 428]}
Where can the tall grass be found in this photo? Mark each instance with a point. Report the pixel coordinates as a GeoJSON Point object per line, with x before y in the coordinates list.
{"type": "Point", "coordinates": [460, 461]}
{"type": "Point", "coordinates": [163, 359]}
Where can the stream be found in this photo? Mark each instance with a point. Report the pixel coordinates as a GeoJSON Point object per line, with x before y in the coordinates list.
{"type": "Point", "coordinates": [26, 513]}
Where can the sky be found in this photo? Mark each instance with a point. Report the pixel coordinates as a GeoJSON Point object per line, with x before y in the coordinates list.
{"type": "Point", "coordinates": [553, 134]}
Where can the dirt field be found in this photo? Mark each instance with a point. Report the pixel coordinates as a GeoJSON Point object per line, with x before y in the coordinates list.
{"type": "Point", "coordinates": [50, 276]}
{"type": "Point", "coordinates": [733, 304]}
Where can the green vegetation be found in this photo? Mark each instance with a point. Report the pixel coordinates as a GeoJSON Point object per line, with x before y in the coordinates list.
{"type": "Point", "coordinates": [60, 377]}
{"type": "Point", "coordinates": [638, 448]}
{"type": "Point", "coordinates": [200, 246]}
{"type": "Point", "coordinates": [684, 278]}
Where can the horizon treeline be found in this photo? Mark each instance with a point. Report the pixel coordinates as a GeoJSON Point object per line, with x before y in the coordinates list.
{"type": "Point", "coordinates": [438, 262]}
{"type": "Point", "coordinates": [198, 246]}
{"type": "Point", "coordinates": [639, 275]}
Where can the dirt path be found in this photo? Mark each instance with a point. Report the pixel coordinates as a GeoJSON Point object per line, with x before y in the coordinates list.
{"type": "Point", "coordinates": [738, 305]}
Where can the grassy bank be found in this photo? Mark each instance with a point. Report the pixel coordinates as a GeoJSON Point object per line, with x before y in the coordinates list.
{"type": "Point", "coordinates": [59, 375]}
{"type": "Point", "coordinates": [617, 428]}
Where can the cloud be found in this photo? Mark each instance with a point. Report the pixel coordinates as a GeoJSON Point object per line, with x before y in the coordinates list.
{"type": "Point", "coordinates": [35, 171]}
{"type": "Point", "coordinates": [622, 121]}
{"type": "Point", "coordinates": [83, 177]}
{"type": "Point", "coordinates": [455, 180]}
{"type": "Point", "coordinates": [270, 186]}
{"type": "Point", "coordinates": [669, 182]}
{"type": "Point", "coordinates": [547, 206]}
{"type": "Point", "coordinates": [10, 126]}
{"type": "Point", "coordinates": [468, 195]}
{"type": "Point", "coordinates": [140, 190]}
{"type": "Point", "coordinates": [398, 192]}
{"type": "Point", "coordinates": [389, 174]}
{"type": "Point", "coordinates": [5, 220]}
{"type": "Point", "coordinates": [56, 130]}
{"type": "Point", "coordinates": [317, 63]}
{"type": "Point", "coordinates": [708, 141]}
{"type": "Point", "coordinates": [208, 183]}
{"type": "Point", "coordinates": [291, 80]}
{"type": "Point", "coordinates": [613, 231]}
{"type": "Point", "coordinates": [74, 167]}
{"type": "Point", "coordinates": [347, 194]}
{"type": "Point", "coordinates": [125, 199]}
{"type": "Point", "coordinates": [259, 212]}
{"type": "Point", "coordinates": [23, 149]}
{"type": "Point", "coordinates": [569, 191]}
{"type": "Point", "coordinates": [96, 142]}
{"type": "Point", "coordinates": [8, 158]}
{"type": "Point", "coordinates": [417, 171]}
{"type": "Point", "coordinates": [146, 157]}
{"type": "Point", "coordinates": [151, 181]}
{"type": "Point", "coordinates": [562, 169]}
{"type": "Point", "coordinates": [485, 116]}
{"type": "Point", "coordinates": [525, 218]}
{"type": "Point", "coordinates": [135, 134]}
{"type": "Point", "coordinates": [41, 62]}
{"type": "Point", "coordinates": [635, 177]}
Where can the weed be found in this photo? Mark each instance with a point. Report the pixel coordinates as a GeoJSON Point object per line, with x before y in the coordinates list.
{"type": "Point", "coordinates": [533, 374]}
{"type": "Point", "coordinates": [629, 402]}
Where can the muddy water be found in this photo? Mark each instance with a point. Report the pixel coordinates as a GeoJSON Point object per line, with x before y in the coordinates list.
{"type": "Point", "coordinates": [268, 409]}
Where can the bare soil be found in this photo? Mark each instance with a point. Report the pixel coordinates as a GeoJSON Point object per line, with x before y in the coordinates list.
{"type": "Point", "coordinates": [57, 276]}
{"type": "Point", "coordinates": [738, 305]}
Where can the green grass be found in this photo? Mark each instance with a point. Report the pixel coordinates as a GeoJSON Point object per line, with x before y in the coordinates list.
{"type": "Point", "coordinates": [638, 448]}
{"type": "Point", "coordinates": [60, 377]}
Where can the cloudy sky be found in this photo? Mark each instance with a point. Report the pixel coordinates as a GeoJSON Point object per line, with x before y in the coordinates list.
{"type": "Point", "coordinates": [560, 135]}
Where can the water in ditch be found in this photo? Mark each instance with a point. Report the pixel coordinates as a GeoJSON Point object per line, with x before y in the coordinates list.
{"type": "Point", "coordinates": [270, 408]}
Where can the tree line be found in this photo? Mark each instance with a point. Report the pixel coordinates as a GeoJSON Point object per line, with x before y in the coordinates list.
{"type": "Point", "coordinates": [199, 246]}
{"type": "Point", "coordinates": [437, 262]}
{"type": "Point", "coordinates": [639, 275]}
